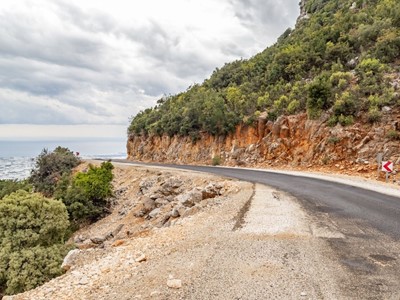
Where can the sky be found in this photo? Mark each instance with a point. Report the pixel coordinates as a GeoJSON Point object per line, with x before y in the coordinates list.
{"type": "Point", "coordinates": [85, 67]}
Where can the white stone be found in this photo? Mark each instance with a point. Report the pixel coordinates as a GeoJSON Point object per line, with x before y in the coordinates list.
{"type": "Point", "coordinates": [174, 283]}
{"type": "Point", "coordinates": [142, 257]}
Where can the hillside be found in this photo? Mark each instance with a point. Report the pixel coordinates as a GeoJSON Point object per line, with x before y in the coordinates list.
{"type": "Point", "coordinates": [332, 82]}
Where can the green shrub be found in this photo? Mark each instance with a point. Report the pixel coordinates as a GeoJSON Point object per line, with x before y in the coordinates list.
{"type": "Point", "coordinates": [325, 160]}
{"type": "Point", "coordinates": [344, 105]}
{"type": "Point", "coordinates": [50, 166]}
{"type": "Point", "coordinates": [393, 135]}
{"type": "Point", "coordinates": [319, 93]}
{"type": "Point", "coordinates": [340, 79]}
{"type": "Point", "coordinates": [216, 160]}
{"type": "Point", "coordinates": [86, 194]}
{"type": "Point", "coordinates": [345, 120]}
{"type": "Point", "coordinates": [374, 115]}
{"type": "Point", "coordinates": [10, 186]}
{"type": "Point", "coordinates": [293, 106]}
{"type": "Point", "coordinates": [333, 120]}
{"type": "Point", "coordinates": [32, 234]}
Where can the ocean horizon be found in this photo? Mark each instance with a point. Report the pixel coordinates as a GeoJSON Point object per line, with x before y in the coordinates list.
{"type": "Point", "coordinates": [17, 157]}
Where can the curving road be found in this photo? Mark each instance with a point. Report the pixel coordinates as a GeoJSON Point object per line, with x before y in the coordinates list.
{"type": "Point", "coordinates": [378, 210]}
{"type": "Point", "coordinates": [366, 253]}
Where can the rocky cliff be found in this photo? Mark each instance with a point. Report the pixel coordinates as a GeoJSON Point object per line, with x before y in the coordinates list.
{"type": "Point", "coordinates": [289, 141]}
{"type": "Point", "coordinates": [330, 67]}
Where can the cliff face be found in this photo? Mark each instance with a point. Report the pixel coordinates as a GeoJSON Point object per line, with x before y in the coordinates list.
{"type": "Point", "coordinates": [291, 140]}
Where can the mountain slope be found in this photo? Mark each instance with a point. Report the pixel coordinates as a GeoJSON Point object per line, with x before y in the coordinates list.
{"type": "Point", "coordinates": [340, 66]}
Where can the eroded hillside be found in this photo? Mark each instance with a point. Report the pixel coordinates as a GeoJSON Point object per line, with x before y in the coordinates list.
{"type": "Point", "coordinates": [326, 94]}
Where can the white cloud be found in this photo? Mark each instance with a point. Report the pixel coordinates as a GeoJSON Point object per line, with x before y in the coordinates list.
{"type": "Point", "coordinates": [101, 61]}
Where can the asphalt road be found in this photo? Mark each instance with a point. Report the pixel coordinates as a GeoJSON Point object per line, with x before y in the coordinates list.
{"type": "Point", "coordinates": [366, 252]}
{"type": "Point", "coordinates": [380, 211]}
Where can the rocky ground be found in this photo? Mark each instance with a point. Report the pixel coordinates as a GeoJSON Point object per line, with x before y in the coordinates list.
{"type": "Point", "coordinates": [185, 235]}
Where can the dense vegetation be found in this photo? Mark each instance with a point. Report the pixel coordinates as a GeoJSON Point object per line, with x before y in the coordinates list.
{"type": "Point", "coordinates": [50, 167]}
{"type": "Point", "coordinates": [86, 194]}
{"type": "Point", "coordinates": [339, 59]}
{"type": "Point", "coordinates": [32, 232]}
{"type": "Point", "coordinates": [33, 227]}
{"type": "Point", "coordinates": [9, 186]}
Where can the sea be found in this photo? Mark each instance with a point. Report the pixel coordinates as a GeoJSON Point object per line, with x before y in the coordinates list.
{"type": "Point", "coordinates": [17, 158]}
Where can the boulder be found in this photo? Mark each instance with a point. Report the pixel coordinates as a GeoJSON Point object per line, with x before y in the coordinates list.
{"type": "Point", "coordinates": [79, 239]}
{"type": "Point", "coordinates": [161, 202]}
{"type": "Point", "coordinates": [170, 186]}
{"type": "Point", "coordinates": [98, 240]}
{"type": "Point", "coordinates": [146, 206]}
{"type": "Point", "coordinates": [146, 184]}
{"type": "Point", "coordinates": [211, 190]}
{"type": "Point", "coordinates": [117, 230]}
{"type": "Point", "coordinates": [69, 259]}
{"type": "Point", "coordinates": [190, 199]}
{"type": "Point", "coordinates": [154, 213]}
{"type": "Point", "coordinates": [175, 212]}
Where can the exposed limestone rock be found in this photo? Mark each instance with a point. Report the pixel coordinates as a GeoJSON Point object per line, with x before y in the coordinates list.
{"type": "Point", "coordinates": [69, 259]}
{"type": "Point", "coordinates": [190, 199]}
{"type": "Point", "coordinates": [146, 206]}
{"type": "Point", "coordinates": [154, 213]}
{"type": "Point", "coordinates": [211, 190]}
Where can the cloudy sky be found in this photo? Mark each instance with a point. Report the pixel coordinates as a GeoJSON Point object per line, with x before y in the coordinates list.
{"type": "Point", "coordinates": [84, 67]}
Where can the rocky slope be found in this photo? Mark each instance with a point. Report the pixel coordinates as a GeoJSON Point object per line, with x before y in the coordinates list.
{"type": "Point", "coordinates": [293, 141]}
{"type": "Point", "coordinates": [111, 251]}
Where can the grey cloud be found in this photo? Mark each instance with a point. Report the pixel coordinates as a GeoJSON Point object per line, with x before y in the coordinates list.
{"type": "Point", "coordinates": [268, 17]}
{"type": "Point", "coordinates": [22, 36]}
{"type": "Point", "coordinates": [89, 21]}
{"type": "Point", "coordinates": [75, 72]}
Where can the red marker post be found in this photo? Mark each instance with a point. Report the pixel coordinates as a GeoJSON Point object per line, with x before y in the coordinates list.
{"type": "Point", "coordinates": [387, 166]}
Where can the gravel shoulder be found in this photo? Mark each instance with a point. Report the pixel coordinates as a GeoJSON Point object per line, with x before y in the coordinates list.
{"type": "Point", "coordinates": [250, 242]}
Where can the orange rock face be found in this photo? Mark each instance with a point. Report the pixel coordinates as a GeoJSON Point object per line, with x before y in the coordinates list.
{"type": "Point", "coordinates": [291, 141]}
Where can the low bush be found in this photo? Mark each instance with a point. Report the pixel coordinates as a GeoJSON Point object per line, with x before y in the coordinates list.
{"type": "Point", "coordinates": [86, 194]}
{"type": "Point", "coordinates": [393, 135]}
{"type": "Point", "coordinates": [374, 115]}
{"type": "Point", "coordinates": [216, 161]}
{"type": "Point", "coordinates": [32, 233]}
{"type": "Point", "coordinates": [10, 186]}
{"type": "Point", "coordinates": [345, 120]}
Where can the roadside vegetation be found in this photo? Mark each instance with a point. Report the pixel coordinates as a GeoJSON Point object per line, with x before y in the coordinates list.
{"type": "Point", "coordinates": [34, 226]}
{"type": "Point", "coordinates": [340, 59]}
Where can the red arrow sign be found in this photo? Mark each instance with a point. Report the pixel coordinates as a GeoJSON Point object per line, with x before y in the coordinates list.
{"type": "Point", "coordinates": [387, 166]}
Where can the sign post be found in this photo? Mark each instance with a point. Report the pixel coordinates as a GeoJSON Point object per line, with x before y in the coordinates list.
{"type": "Point", "coordinates": [379, 158]}
{"type": "Point", "coordinates": [387, 166]}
